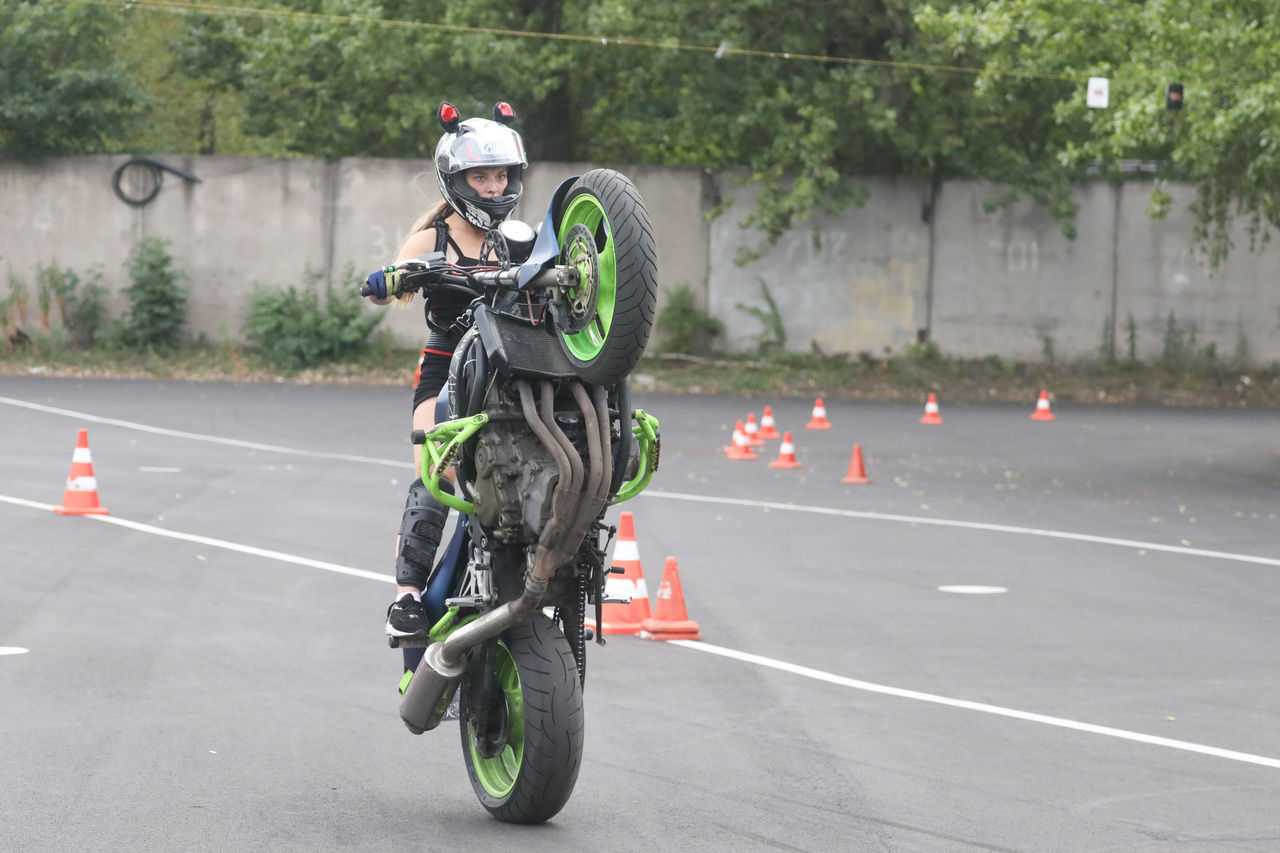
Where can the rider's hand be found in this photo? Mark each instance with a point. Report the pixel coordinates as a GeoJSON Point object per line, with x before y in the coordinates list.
{"type": "Point", "coordinates": [384, 282]}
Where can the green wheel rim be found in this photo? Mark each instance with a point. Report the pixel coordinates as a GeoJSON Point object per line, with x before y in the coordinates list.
{"type": "Point", "coordinates": [585, 209]}
{"type": "Point", "coordinates": [498, 774]}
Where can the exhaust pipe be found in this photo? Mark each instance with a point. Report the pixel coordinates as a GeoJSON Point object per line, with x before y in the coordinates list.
{"type": "Point", "coordinates": [443, 664]}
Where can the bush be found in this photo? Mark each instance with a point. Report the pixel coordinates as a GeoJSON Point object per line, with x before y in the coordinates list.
{"type": "Point", "coordinates": [293, 330]}
{"type": "Point", "coordinates": [157, 305]}
{"type": "Point", "coordinates": [686, 328]}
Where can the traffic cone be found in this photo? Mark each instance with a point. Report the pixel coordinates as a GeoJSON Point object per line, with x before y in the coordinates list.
{"type": "Point", "coordinates": [740, 449]}
{"type": "Point", "coordinates": [1042, 412]}
{"type": "Point", "coordinates": [752, 431]}
{"type": "Point", "coordinates": [81, 496]}
{"type": "Point", "coordinates": [767, 427]}
{"type": "Point", "coordinates": [857, 472]}
{"type": "Point", "coordinates": [670, 620]}
{"type": "Point", "coordinates": [931, 415]}
{"type": "Point", "coordinates": [625, 618]}
{"type": "Point", "coordinates": [786, 454]}
{"type": "Point", "coordinates": [735, 440]}
{"type": "Point", "coordinates": [819, 418]}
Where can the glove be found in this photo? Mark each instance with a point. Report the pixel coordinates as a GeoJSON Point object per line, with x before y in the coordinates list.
{"type": "Point", "coordinates": [384, 282]}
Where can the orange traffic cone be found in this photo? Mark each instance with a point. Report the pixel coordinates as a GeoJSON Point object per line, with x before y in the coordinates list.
{"type": "Point", "coordinates": [857, 472]}
{"type": "Point", "coordinates": [819, 418]}
{"type": "Point", "coordinates": [931, 415]}
{"type": "Point", "coordinates": [1042, 412]}
{"type": "Point", "coordinates": [767, 428]}
{"type": "Point", "coordinates": [81, 496]}
{"type": "Point", "coordinates": [620, 618]}
{"type": "Point", "coordinates": [786, 454]}
{"type": "Point", "coordinates": [670, 620]}
{"type": "Point", "coordinates": [753, 431]}
{"type": "Point", "coordinates": [740, 449]}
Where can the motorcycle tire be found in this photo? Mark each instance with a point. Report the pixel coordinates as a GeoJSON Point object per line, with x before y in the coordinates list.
{"type": "Point", "coordinates": [612, 341]}
{"type": "Point", "coordinates": [536, 677]}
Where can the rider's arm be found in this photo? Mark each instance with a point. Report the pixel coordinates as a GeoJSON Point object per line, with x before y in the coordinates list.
{"type": "Point", "coordinates": [416, 245]}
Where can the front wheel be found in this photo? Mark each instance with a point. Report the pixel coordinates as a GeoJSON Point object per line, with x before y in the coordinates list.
{"type": "Point", "coordinates": [609, 317]}
{"type": "Point", "coordinates": [524, 764]}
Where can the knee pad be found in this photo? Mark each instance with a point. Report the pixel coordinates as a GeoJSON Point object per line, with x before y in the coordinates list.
{"type": "Point", "coordinates": [420, 532]}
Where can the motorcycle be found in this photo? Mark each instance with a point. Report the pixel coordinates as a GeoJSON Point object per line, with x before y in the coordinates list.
{"type": "Point", "coordinates": [542, 438]}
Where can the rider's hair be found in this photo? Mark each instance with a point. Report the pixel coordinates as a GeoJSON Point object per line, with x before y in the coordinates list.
{"type": "Point", "coordinates": [429, 217]}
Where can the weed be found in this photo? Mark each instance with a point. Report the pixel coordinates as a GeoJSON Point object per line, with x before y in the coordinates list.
{"type": "Point", "coordinates": [293, 329]}
{"type": "Point", "coordinates": [924, 351]}
{"type": "Point", "coordinates": [685, 327]}
{"type": "Point", "coordinates": [157, 304]}
{"type": "Point", "coordinates": [1107, 351]}
{"type": "Point", "coordinates": [774, 335]}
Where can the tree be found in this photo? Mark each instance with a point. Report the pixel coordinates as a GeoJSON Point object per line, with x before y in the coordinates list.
{"type": "Point", "coordinates": [1225, 141]}
{"type": "Point", "coordinates": [61, 89]}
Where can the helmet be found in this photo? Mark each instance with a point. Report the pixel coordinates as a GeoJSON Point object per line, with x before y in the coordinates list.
{"type": "Point", "coordinates": [479, 142]}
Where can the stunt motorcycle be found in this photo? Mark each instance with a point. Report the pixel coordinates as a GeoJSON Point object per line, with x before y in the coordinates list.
{"type": "Point", "coordinates": [542, 438]}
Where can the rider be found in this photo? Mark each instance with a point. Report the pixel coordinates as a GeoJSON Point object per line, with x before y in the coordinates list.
{"type": "Point", "coordinates": [479, 165]}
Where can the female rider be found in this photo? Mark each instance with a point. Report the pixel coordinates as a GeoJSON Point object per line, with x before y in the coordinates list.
{"type": "Point", "coordinates": [479, 165]}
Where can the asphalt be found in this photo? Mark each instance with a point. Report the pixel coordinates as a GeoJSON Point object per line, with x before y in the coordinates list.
{"type": "Point", "coordinates": [204, 669]}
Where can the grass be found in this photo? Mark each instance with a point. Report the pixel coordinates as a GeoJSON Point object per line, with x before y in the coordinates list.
{"type": "Point", "coordinates": [776, 376]}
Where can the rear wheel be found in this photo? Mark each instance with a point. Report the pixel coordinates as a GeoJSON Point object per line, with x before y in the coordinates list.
{"type": "Point", "coordinates": [524, 763]}
{"type": "Point", "coordinates": [611, 314]}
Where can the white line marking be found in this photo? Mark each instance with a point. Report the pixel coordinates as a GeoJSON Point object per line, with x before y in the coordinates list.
{"type": "Point", "coordinates": [746, 657]}
{"type": "Point", "coordinates": [219, 543]}
{"type": "Point", "coordinates": [195, 436]}
{"type": "Point", "coordinates": [13, 650]}
{"type": "Point", "coordinates": [845, 513]}
{"type": "Point", "coordinates": [1059, 722]}
{"type": "Point", "coordinates": [968, 589]}
{"type": "Point", "coordinates": [970, 525]}
{"type": "Point", "coordinates": [153, 469]}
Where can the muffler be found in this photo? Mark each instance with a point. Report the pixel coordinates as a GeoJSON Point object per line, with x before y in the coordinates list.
{"type": "Point", "coordinates": [427, 698]}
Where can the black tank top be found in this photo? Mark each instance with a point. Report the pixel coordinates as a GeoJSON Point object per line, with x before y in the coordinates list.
{"type": "Point", "coordinates": [443, 309]}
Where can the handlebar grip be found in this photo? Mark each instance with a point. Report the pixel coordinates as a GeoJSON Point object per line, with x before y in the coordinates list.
{"type": "Point", "coordinates": [366, 290]}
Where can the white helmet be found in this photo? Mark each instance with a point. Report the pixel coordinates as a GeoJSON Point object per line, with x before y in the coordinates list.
{"type": "Point", "coordinates": [479, 143]}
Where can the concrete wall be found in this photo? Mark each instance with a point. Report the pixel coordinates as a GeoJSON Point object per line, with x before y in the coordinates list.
{"type": "Point", "coordinates": [871, 279]}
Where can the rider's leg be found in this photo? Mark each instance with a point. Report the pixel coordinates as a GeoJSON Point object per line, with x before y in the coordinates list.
{"type": "Point", "coordinates": [420, 531]}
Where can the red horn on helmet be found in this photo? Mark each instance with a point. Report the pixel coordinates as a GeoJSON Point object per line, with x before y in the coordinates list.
{"type": "Point", "coordinates": [503, 113]}
{"type": "Point", "coordinates": [449, 117]}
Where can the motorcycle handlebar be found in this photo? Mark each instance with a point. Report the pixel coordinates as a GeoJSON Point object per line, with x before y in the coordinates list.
{"type": "Point", "coordinates": [473, 284]}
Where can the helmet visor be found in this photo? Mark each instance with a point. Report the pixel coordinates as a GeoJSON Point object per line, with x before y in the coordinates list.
{"type": "Point", "coordinates": [484, 147]}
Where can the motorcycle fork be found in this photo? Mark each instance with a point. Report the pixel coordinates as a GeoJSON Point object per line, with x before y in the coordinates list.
{"type": "Point", "coordinates": [488, 716]}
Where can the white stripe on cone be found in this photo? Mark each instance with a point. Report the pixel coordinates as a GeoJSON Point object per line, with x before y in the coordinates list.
{"type": "Point", "coordinates": [624, 588]}
{"type": "Point", "coordinates": [81, 454]}
{"type": "Point", "coordinates": [82, 484]}
{"type": "Point", "coordinates": [626, 549]}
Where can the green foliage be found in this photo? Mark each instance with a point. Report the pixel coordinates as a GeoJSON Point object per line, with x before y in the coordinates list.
{"type": "Point", "coordinates": [62, 90]}
{"type": "Point", "coordinates": [1223, 140]}
{"type": "Point", "coordinates": [84, 311]}
{"type": "Point", "coordinates": [16, 304]}
{"type": "Point", "coordinates": [293, 329]}
{"type": "Point", "coordinates": [803, 97]}
{"type": "Point", "coordinates": [773, 337]}
{"type": "Point", "coordinates": [924, 351]}
{"type": "Point", "coordinates": [1107, 349]}
{"type": "Point", "coordinates": [157, 303]}
{"type": "Point", "coordinates": [686, 328]}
